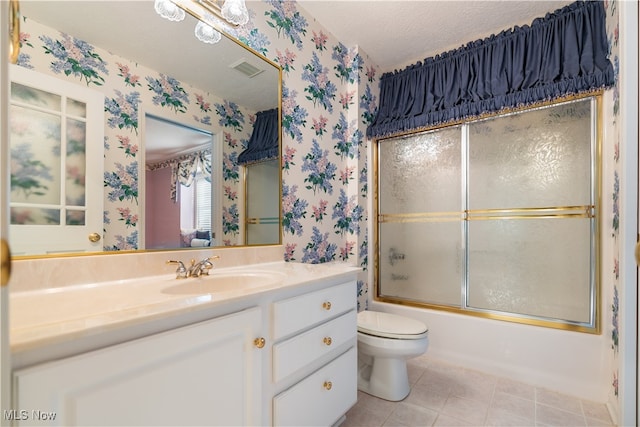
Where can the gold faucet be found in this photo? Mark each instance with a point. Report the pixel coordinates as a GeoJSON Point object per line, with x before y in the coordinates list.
{"type": "Point", "coordinates": [195, 269]}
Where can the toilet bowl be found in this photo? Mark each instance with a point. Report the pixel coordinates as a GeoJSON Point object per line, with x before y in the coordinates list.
{"type": "Point", "coordinates": [385, 342]}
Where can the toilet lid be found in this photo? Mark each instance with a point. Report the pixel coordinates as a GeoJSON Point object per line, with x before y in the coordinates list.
{"type": "Point", "coordinates": [390, 325]}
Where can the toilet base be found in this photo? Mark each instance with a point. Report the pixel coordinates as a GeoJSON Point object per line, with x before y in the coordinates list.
{"type": "Point", "coordinates": [385, 378]}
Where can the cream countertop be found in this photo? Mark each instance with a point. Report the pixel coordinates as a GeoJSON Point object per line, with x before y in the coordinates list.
{"type": "Point", "coordinates": [49, 317]}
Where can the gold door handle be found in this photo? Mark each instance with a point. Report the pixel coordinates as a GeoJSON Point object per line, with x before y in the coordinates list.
{"type": "Point", "coordinates": [637, 253]}
{"type": "Point", "coordinates": [327, 340]}
{"type": "Point", "coordinates": [14, 31]}
{"type": "Point", "coordinates": [327, 385]}
{"type": "Point", "coordinates": [94, 237]}
{"type": "Point", "coordinates": [326, 305]}
{"type": "Point", "coordinates": [5, 263]}
{"type": "Point", "coordinates": [259, 342]}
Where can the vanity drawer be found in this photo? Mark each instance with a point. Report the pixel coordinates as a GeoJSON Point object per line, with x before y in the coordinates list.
{"type": "Point", "coordinates": [312, 308]}
{"type": "Point", "coordinates": [321, 398]}
{"type": "Point", "coordinates": [301, 350]}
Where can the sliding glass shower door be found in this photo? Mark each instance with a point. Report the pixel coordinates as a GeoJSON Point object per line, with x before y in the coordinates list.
{"type": "Point", "coordinates": [495, 217]}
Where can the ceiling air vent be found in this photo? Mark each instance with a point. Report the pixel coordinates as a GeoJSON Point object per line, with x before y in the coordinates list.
{"type": "Point", "coordinates": [246, 68]}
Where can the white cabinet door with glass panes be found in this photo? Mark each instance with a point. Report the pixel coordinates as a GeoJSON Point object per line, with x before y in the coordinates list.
{"type": "Point", "coordinates": [56, 143]}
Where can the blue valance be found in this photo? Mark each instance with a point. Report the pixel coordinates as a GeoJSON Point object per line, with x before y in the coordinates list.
{"type": "Point", "coordinates": [564, 53]}
{"type": "Point", "coordinates": [263, 144]}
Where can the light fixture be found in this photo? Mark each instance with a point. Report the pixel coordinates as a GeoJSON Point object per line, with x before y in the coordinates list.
{"type": "Point", "coordinates": [206, 33]}
{"type": "Point", "coordinates": [235, 11]}
{"type": "Point", "coordinates": [232, 13]}
{"type": "Point", "coordinates": [169, 10]}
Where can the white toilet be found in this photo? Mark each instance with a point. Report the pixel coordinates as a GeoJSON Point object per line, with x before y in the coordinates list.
{"type": "Point", "coordinates": [385, 342]}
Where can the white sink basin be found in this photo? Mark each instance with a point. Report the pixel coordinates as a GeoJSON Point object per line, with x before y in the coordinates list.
{"type": "Point", "coordinates": [223, 282]}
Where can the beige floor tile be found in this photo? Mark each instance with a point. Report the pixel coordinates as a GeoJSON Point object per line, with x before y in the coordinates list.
{"type": "Point", "coordinates": [596, 411]}
{"type": "Point", "coordinates": [414, 372]}
{"type": "Point", "coordinates": [522, 408]}
{"type": "Point", "coordinates": [558, 400]}
{"type": "Point", "coordinates": [375, 404]}
{"type": "Point", "coordinates": [407, 414]}
{"type": "Point", "coordinates": [592, 422]}
{"type": "Point", "coordinates": [471, 411]}
{"type": "Point", "coordinates": [423, 361]}
{"type": "Point", "coordinates": [515, 388]}
{"type": "Point", "coordinates": [446, 395]}
{"type": "Point", "coordinates": [437, 381]}
{"type": "Point", "coordinates": [427, 397]}
{"type": "Point", "coordinates": [447, 421]}
{"type": "Point", "coordinates": [550, 416]}
{"type": "Point", "coordinates": [475, 386]}
{"type": "Point", "coordinates": [501, 417]}
{"type": "Point", "coordinates": [359, 416]}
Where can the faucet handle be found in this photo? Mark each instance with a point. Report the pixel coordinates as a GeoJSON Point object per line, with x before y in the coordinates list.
{"type": "Point", "coordinates": [181, 271]}
{"type": "Point", "coordinates": [207, 265]}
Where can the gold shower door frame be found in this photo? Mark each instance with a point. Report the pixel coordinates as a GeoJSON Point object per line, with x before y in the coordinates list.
{"type": "Point", "coordinates": [467, 216]}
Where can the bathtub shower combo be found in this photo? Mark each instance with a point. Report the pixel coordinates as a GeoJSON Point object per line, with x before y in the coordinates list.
{"type": "Point", "coordinates": [497, 216]}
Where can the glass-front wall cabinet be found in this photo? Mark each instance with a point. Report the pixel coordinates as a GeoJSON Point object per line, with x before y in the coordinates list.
{"type": "Point", "coordinates": [494, 217]}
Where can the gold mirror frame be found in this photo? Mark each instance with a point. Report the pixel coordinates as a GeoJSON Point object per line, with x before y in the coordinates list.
{"type": "Point", "coordinates": [242, 205]}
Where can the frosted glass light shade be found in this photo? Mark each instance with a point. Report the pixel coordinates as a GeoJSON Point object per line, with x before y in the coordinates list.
{"type": "Point", "coordinates": [206, 33]}
{"type": "Point", "coordinates": [235, 11]}
{"type": "Point", "coordinates": [168, 10]}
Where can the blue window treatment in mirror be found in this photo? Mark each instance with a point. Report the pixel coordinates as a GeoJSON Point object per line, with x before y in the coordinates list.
{"type": "Point", "coordinates": [564, 53]}
{"type": "Point", "coordinates": [263, 144]}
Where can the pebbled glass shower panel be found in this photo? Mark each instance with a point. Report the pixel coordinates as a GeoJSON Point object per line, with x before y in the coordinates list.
{"type": "Point", "coordinates": [531, 267]}
{"type": "Point", "coordinates": [530, 199]}
{"type": "Point", "coordinates": [539, 158]}
{"type": "Point", "coordinates": [495, 216]}
{"type": "Point", "coordinates": [421, 173]}
{"type": "Point", "coordinates": [420, 222]}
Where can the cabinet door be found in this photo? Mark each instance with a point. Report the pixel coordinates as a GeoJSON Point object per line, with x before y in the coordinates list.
{"type": "Point", "coordinates": [203, 374]}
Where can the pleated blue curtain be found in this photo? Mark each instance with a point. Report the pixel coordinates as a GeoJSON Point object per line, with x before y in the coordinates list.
{"type": "Point", "coordinates": [263, 143]}
{"type": "Point", "coordinates": [564, 53]}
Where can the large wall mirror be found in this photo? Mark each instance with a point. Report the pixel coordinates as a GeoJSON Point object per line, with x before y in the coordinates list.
{"type": "Point", "coordinates": [127, 130]}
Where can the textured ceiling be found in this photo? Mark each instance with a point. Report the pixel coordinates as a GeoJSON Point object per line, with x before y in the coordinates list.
{"type": "Point", "coordinates": [398, 33]}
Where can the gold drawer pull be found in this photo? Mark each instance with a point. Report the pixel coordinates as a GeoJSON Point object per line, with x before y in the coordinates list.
{"type": "Point", "coordinates": [327, 385]}
{"type": "Point", "coordinates": [326, 305]}
{"type": "Point", "coordinates": [259, 342]}
{"type": "Point", "coordinates": [327, 340]}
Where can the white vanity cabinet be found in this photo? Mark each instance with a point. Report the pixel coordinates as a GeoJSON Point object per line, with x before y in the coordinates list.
{"type": "Point", "coordinates": [208, 373]}
{"type": "Point", "coordinates": [314, 356]}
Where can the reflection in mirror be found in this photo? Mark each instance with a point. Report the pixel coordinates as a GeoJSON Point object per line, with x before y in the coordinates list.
{"type": "Point", "coordinates": [263, 222]}
{"type": "Point", "coordinates": [140, 65]}
{"type": "Point", "coordinates": [178, 180]}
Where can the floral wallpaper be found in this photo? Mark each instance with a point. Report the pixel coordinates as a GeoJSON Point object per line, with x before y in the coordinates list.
{"type": "Point", "coordinates": [611, 201]}
{"type": "Point", "coordinates": [129, 90]}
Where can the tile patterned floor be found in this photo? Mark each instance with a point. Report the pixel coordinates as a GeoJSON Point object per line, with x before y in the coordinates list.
{"type": "Point", "coordinates": [446, 395]}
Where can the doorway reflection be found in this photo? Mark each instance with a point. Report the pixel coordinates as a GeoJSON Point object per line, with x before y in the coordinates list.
{"type": "Point", "coordinates": [179, 194]}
